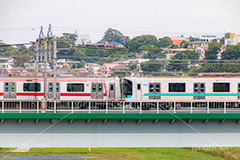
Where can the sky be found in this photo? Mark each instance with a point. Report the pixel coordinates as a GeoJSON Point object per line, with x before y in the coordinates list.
{"type": "Point", "coordinates": [20, 21]}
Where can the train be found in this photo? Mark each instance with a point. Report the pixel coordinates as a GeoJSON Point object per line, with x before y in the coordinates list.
{"type": "Point", "coordinates": [213, 90]}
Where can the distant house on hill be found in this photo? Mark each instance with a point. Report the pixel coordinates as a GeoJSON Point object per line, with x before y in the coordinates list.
{"type": "Point", "coordinates": [120, 68]}
{"type": "Point", "coordinates": [7, 63]}
{"type": "Point", "coordinates": [178, 41]}
{"type": "Point", "coordinates": [196, 44]}
{"type": "Point", "coordinates": [106, 44]}
{"type": "Point", "coordinates": [106, 68]}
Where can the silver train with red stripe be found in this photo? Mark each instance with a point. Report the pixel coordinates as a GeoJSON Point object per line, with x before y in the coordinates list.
{"type": "Point", "coordinates": [67, 88]}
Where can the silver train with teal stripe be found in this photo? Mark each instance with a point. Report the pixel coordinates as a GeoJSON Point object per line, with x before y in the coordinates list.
{"type": "Point", "coordinates": [216, 91]}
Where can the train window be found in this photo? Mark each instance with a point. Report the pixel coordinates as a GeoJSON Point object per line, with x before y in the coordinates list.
{"type": "Point", "coordinates": [31, 87]}
{"type": "Point", "coordinates": [157, 87]}
{"type": "Point", "coordinates": [221, 87]}
{"type": "Point", "coordinates": [57, 87]}
{"type": "Point", "coordinates": [13, 87]}
{"type": "Point", "coordinates": [138, 86]}
{"type": "Point", "coordinates": [100, 87]}
{"type": "Point", "coordinates": [111, 87]}
{"type": "Point", "coordinates": [127, 87]}
{"type": "Point", "coordinates": [75, 87]}
{"type": "Point", "coordinates": [93, 87]}
{"type": "Point", "coordinates": [151, 87]}
{"type": "Point", "coordinates": [238, 87]}
{"type": "Point", "coordinates": [6, 87]}
{"type": "Point", "coordinates": [50, 88]}
{"type": "Point", "coordinates": [176, 87]}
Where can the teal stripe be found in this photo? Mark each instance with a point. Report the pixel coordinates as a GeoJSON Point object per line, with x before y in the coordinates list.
{"type": "Point", "coordinates": [189, 94]}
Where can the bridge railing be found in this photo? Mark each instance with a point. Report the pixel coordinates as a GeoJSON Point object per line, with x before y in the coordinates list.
{"type": "Point", "coordinates": [119, 107]}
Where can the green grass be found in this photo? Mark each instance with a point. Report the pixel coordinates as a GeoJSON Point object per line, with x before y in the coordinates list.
{"type": "Point", "coordinates": [129, 153]}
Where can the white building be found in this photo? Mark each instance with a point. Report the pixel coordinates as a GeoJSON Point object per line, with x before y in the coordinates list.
{"type": "Point", "coordinates": [7, 63]}
{"type": "Point", "coordinates": [32, 66]}
{"type": "Point", "coordinates": [92, 68]}
{"type": "Point", "coordinates": [201, 52]}
{"type": "Point", "coordinates": [232, 41]}
{"type": "Point", "coordinates": [209, 38]}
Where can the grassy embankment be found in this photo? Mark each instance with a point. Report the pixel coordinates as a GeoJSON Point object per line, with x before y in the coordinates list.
{"type": "Point", "coordinates": [140, 153]}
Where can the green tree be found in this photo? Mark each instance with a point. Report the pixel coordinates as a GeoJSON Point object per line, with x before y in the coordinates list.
{"type": "Point", "coordinates": [115, 35]}
{"type": "Point", "coordinates": [151, 66]}
{"type": "Point", "coordinates": [137, 42]}
{"type": "Point", "coordinates": [181, 61]}
{"type": "Point", "coordinates": [232, 52]}
{"type": "Point", "coordinates": [92, 51]}
{"type": "Point", "coordinates": [164, 42]}
{"type": "Point", "coordinates": [213, 49]}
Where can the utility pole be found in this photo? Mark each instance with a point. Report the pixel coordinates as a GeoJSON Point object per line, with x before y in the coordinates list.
{"type": "Point", "coordinates": [54, 67]}
{"type": "Point", "coordinates": [46, 44]}
{"type": "Point", "coordinates": [39, 49]}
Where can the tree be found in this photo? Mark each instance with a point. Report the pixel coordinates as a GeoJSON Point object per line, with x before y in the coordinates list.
{"type": "Point", "coordinates": [151, 66]}
{"type": "Point", "coordinates": [115, 35]}
{"type": "Point", "coordinates": [181, 61]}
{"type": "Point", "coordinates": [232, 52]}
{"type": "Point", "coordinates": [213, 49]}
{"type": "Point", "coordinates": [211, 54]}
{"type": "Point", "coordinates": [92, 51]}
{"type": "Point", "coordinates": [137, 42]}
{"type": "Point", "coordinates": [164, 42]}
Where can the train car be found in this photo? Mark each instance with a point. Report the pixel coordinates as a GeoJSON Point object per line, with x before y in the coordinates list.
{"type": "Point", "coordinates": [208, 88]}
{"type": "Point", "coordinates": [68, 88]}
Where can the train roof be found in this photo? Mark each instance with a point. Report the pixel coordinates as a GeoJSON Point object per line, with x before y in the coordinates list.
{"type": "Point", "coordinates": [200, 75]}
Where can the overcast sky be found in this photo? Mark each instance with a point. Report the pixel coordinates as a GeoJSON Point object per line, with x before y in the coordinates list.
{"type": "Point", "coordinates": [21, 20]}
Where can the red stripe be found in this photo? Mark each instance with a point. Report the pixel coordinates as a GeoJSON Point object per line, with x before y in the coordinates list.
{"type": "Point", "coordinates": [30, 94]}
{"type": "Point", "coordinates": [75, 94]}
{"type": "Point", "coordinates": [1, 94]}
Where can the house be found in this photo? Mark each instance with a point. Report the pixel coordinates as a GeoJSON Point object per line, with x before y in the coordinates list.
{"type": "Point", "coordinates": [196, 44]}
{"type": "Point", "coordinates": [139, 55]}
{"type": "Point", "coordinates": [173, 52]}
{"type": "Point", "coordinates": [92, 68]}
{"type": "Point", "coordinates": [18, 69]}
{"type": "Point", "coordinates": [63, 72]}
{"type": "Point", "coordinates": [178, 41]}
{"type": "Point", "coordinates": [201, 52]}
{"type": "Point", "coordinates": [106, 68]}
{"type": "Point", "coordinates": [232, 41]}
{"type": "Point", "coordinates": [106, 44]}
{"type": "Point", "coordinates": [120, 68]}
{"type": "Point", "coordinates": [7, 63]}
{"type": "Point", "coordinates": [169, 55]}
{"type": "Point", "coordinates": [32, 66]}
{"type": "Point", "coordinates": [209, 38]}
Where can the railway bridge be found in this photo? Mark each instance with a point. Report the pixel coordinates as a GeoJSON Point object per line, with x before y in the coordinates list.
{"type": "Point", "coordinates": [117, 124]}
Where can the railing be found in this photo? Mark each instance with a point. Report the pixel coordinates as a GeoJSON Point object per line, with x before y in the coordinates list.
{"type": "Point", "coordinates": [119, 107]}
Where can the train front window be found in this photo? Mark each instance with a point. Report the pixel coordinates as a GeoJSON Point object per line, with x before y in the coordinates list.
{"type": "Point", "coordinates": [31, 87]}
{"type": "Point", "coordinates": [127, 87]}
{"type": "Point", "coordinates": [75, 87]}
{"type": "Point", "coordinates": [6, 87]}
{"type": "Point", "coordinates": [221, 87]}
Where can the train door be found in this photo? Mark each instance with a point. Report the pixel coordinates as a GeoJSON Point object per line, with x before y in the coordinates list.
{"type": "Point", "coordinates": [157, 91]}
{"type": "Point", "coordinates": [100, 91]}
{"type": "Point", "coordinates": [50, 90]}
{"type": "Point", "coordinates": [111, 90]}
{"type": "Point", "coordinates": [238, 90]}
{"type": "Point", "coordinates": [154, 91]}
{"type": "Point", "coordinates": [9, 90]}
{"type": "Point", "coordinates": [97, 91]}
{"type": "Point", "coordinates": [139, 91]}
{"type": "Point", "coordinates": [199, 88]}
{"type": "Point", "coordinates": [151, 91]}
